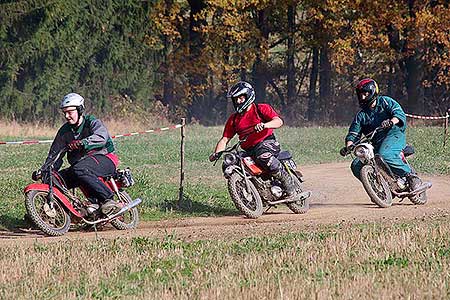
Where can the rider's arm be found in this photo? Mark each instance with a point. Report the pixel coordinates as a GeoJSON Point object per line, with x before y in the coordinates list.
{"type": "Point", "coordinates": [222, 144]}
{"type": "Point", "coordinates": [354, 132]}
{"type": "Point", "coordinates": [395, 120]}
{"type": "Point", "coordinates": [99, 135]}
{"type": "Point", "coordinates": [396, 111]}
{"type": "Point", "coordinates": [58, 144]}
{"type": "Point", "coordinates": [274, 123]}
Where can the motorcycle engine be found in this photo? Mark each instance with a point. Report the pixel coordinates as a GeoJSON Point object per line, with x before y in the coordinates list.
{"type": "Point", "coordinates": [276, 191]}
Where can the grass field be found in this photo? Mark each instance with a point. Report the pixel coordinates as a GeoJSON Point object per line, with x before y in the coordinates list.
{"type": "Point", "coordinates": [369, 261]}
{"type": "Point", "coordinates": [408, 260]}
{"type": "Point", "coordinates": [154, 160]}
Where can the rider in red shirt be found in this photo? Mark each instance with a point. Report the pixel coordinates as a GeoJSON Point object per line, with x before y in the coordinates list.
{"type": "Point", "coordinates": [257, 122]}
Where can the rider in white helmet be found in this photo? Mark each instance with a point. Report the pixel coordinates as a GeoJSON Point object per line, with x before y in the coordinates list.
{"type": "Point", "coordinates": [90, 153]}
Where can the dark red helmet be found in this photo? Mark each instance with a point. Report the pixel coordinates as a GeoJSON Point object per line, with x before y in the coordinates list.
{"type": "Point", "coordinates": [369, 86]}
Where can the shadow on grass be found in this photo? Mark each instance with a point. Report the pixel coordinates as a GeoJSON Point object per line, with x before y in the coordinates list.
{"type": "Point", "coordinates": [12, 227]}
{"type": "Point", "coordinates": [188, 206]}
{"type": "Point", "coordinates": [11, 223]}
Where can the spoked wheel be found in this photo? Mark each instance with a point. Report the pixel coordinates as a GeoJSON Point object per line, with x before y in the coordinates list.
{"type": "Point", "coordinates": [376, 187]}
{"type": "Point", "coordinates": [301, 206]}
{"type": "Point", "coordinates": [130, 219]}
{"type": "Point", "coordinates": [247, 201]}
{"type": "Point", "coordinates": [51, 217]}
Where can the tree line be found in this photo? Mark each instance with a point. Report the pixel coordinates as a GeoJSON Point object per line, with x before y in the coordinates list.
{"type": "Point", "coordinates": [179, 57]}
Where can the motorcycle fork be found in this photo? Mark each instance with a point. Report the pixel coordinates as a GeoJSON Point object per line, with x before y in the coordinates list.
{"type": "Point", "coordinates": [287, 168]}
{"type": "Point", "coordinates": [114, 186]}
{"type": "Point", "coordinates": [247, 185]}
{"type": "Point", "coordinates": [50, 199]}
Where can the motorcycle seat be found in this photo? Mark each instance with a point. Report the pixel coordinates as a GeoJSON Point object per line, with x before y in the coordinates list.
{"type": "Point", "coordinates": [284, 155]}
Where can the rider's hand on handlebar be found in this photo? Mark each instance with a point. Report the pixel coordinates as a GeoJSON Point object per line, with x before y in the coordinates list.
{"type": "Point", "coordinates": [36, 175]}
{"type": "Point", "coordinates": [74, 145]}
{"type": "Point", "coordinates": [346, 150]}
{"type": "Point", "coordinates": [213, 157]}
{"type": "Point", "coordinates": [387, 124]}
{"type": "Point", "coordinates": [260, 127]}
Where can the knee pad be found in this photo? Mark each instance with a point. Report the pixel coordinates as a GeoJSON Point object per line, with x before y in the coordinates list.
{"type": "Point", "coordinates": [269, 162]}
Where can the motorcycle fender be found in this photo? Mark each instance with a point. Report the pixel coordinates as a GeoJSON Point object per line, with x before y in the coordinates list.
{"type": "Point", "coordinates": [60, 196]}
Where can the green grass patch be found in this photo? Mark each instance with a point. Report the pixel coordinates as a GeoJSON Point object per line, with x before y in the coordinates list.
{"type": "Point", "coordinates": [155, 160]}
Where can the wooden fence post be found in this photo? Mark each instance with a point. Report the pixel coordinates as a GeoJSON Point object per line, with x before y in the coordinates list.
{"type": "Point", "coordinates": [446, 127]}
{"type": "Point", "coordinates": [180, 194]}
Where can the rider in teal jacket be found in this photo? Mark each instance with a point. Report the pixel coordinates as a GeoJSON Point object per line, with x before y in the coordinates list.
{"type": "Point", "coordinates": [386, 112]}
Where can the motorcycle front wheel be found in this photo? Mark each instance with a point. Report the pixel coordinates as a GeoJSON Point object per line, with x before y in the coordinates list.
{"type": "Point", "coordinates": [246, 201]}
{"type": "Point", "coordinates": [52, 218]}
{"type": "Point", "coordinates": [376, 187]}
{"type": "Point", "coordinates": [130, 219]}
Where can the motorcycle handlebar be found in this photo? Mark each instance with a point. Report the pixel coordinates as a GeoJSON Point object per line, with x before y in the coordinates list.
{"type": "Point", "coordinates": [231, 148]}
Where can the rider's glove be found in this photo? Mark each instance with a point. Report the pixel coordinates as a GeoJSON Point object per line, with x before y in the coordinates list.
{"type": "Point", "coordinates": [213, 157]}
{"type": "Point", "coordinates": [74, 145]}
{"type": "Point", "coordinates": [36, 175]}
{"type": "Point", "coordinates": [346, 150]}
{"type": "Point", "coordinates": [260, 127]}
{"type": "Point", "coordinates": [387, 124]}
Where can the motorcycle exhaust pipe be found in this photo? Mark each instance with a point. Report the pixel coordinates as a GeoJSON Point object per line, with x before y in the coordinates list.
{"type": "Point", "coordinates": [124, 209]}
{"type": "Point", "coordinates": [296, 198]}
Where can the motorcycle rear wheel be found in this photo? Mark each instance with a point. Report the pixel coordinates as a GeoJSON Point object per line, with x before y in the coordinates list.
{"type": "Point", "coordinates": [130, 219]}
{"type": "Point", "coordinates": [52, 221]}
{"type": "Point", "coordinates": [247, 202]}
{"type": "Point", "coordinates": [302, 206]}
{"type": "Point", "coordinates": [376, 187]}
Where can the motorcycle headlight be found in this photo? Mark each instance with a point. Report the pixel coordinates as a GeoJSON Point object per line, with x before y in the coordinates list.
{"type": "Point", "coordinates": [361, 152]}
{"type": "Point", "coordinates": [229, 159]}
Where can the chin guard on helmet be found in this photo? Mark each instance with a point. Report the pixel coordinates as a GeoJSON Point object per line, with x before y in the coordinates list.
{"type": "Point", "coordinates": [239, 89]}
{"type": "Point", "coordinates": [370, 87]}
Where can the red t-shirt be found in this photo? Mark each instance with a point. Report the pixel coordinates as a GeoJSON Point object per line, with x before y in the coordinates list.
{"type": "Point", "coordinates": [242, 124]}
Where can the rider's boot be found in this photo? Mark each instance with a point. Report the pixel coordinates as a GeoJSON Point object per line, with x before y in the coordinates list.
{"type": "Point", "coordinates": [110, 207]}
{"type": "Point", "coordinates": [91, 208]}
{"type": "Point", "coordinates": [413, 181]}
{"type": "Point", "coordinates": [286, 182]}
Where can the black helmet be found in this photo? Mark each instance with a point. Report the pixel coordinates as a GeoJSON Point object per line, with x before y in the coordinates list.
{"type": "Point", "coordinates": [239, 89]}
{"type": "Point", "coordinates": [367, 85]}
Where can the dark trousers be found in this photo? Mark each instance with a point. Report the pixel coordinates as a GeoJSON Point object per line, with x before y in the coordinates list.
{"type": "Point", "coordinates": [85, 173]}
{"type": "Point", "coordinates": [265, 155]}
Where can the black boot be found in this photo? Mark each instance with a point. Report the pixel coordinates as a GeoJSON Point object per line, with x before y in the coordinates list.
{"type": "Point", "coordinates": [413, 181]}
{"type": "Point", "coordinates": [286, 182]}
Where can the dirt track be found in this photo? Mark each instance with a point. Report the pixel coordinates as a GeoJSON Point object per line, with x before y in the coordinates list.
{"type": "Point", "coordinates": [337, 198]}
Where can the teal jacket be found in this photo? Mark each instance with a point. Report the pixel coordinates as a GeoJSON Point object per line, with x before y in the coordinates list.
{"type": "Point", "coordinates": [92, 133]}
{"type": "Point", "coordinates": [366, 120]}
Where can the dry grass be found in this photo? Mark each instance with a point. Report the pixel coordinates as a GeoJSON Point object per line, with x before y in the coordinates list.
{"type": "Point", "coordinates": [15, 129]}
{"type": "Point", "coordinates": [27, 130]}
{"type": "Point", "coordinates": [396, 261]}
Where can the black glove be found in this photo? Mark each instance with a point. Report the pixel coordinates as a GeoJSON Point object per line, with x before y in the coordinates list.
{"type": "Point", "coordinates": [74, 145]}
{"type": "Point", "coordinates": [213, 157]}
{"type": "Point", "coordinates": [387, 124]}
{"type": "Point", "coordinates": [260, 127]}
{"type": "Point", "coordinates": [346, 150]}
{"type": "Point", "coordinates": [36, 175]}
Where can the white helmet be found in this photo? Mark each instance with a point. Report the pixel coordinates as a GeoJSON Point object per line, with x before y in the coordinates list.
{"type": "Point", "coordinates": [73, 99]}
